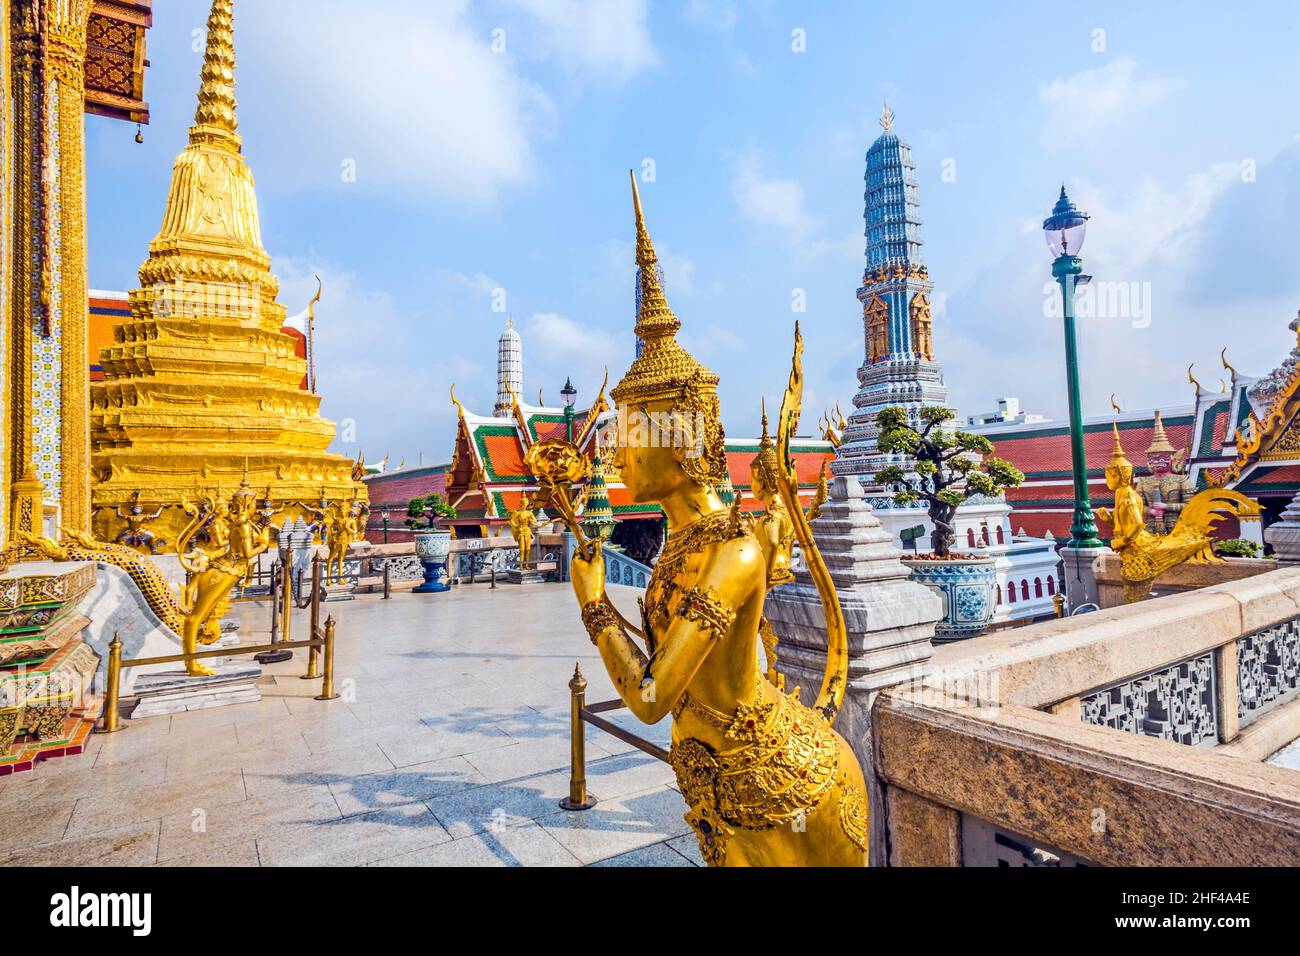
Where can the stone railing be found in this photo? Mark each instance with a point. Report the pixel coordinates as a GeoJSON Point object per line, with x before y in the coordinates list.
{"type": "Point", "coordinates": [1131, 736]}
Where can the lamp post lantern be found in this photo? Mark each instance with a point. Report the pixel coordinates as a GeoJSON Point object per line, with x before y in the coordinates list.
{"type": "Point", "coordinates": [570, 395]}
{"type": "Point", "coordinates": [1064, 230]}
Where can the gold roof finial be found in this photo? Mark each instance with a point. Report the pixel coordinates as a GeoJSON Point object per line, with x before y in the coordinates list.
{"type": "Point", "coordinates": [886, 117]}
{"type": "Point", "coordinates": [1159, 440]}
{"type": "Point", "coordinates": [215, 121]}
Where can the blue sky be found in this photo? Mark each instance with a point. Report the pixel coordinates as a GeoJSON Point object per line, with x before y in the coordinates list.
{"type": "Point", "coordinates": [482, 169]}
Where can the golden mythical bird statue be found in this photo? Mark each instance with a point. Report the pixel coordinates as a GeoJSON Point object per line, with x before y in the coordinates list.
{"type": "Point", "coordinates": [1145, 555]}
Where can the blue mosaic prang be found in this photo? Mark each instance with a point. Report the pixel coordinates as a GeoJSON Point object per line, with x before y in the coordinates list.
{"type": "Point", "coordinates": [1176, 703]}
{"type": "Point", "coordinates": [1268, 668]}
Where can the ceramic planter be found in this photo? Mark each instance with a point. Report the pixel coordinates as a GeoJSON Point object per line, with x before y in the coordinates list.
{"type": "Point", "coordinates": [968, 586]}
{"type": "Point", "coordinates": [432, 548]}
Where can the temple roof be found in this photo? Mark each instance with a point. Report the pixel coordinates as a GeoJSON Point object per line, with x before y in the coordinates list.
{"type": "Point", "coordinates": [487, 476]}
{"type": "Point", "coordinates": [115, 59]}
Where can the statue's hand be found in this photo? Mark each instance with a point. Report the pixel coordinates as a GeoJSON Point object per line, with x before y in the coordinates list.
{"type": "Point", "coordinates": [588, 574]}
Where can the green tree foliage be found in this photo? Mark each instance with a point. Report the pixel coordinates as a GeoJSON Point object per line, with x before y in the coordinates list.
{"type": "Point", "coordinates": [417, 507]}
{"type": "Point", "coordinates": [949, 467]}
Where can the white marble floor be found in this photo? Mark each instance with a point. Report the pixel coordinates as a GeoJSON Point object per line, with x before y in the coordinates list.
{"type": "Point", "coordinates": [449, 747]}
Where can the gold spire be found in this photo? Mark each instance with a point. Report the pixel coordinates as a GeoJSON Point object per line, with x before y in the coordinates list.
{"type": "Point", "coordinates": [1160, 443]}
{"type": "Point", "coordinates": [666, 372]}
{"type": "Point", "coordinates": [215, 121]}
{"type": "Point", "coordinates": [886, 117]}
{"type": "Point", "coordinates": [654, 319]}
{"type": "Point", "coordinates": [1117, 456]}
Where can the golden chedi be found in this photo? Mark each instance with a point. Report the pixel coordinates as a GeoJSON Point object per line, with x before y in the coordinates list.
{"type": "Point", "coordinates": [766, 779]}
{"type": "Point", "coordinates": [201, 385]}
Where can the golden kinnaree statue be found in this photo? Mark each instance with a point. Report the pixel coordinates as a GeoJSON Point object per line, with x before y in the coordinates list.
{"type": "Point", "coordinates": [766, 779]}
{"type": "Point", "coordinates": [1145, 555]}
{"type": "Point", "coordinates": [213, 570]}
{"type": "Point", "coordinates": [523, 522]}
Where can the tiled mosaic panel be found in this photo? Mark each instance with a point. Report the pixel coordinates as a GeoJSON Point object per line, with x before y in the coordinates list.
{"type": "Point", "coordinates": [1176, 703]}
{"type": "Point", "coordinates": [1268, 668]}
{"type": "Point", "coordinates": [47, 351]}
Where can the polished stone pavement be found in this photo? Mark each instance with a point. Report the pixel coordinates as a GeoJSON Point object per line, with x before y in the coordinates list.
{"type": "Point", "coordinates": [449, 747]}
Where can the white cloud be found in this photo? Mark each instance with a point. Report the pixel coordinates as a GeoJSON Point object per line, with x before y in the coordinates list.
{"type": "Point", "coordinates": [558, 348]}
{"type": "Point", "coordinates": [602, 38]}
{"type": "Point", "coordinates": [769, 202]}
{"type": "Point", "coordinates": [1078, 107]}
{"type": "Point", "coordinates": [720, 15]}
{"type": "Point", "coordinates": [411, 92]}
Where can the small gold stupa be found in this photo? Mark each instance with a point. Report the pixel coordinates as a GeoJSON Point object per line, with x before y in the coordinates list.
{"type": "Point", "coordinates": [201, 386]}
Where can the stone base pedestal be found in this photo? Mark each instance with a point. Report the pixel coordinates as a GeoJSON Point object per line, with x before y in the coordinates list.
{"type": "Point", "coordinates": [890, 621]}
{"type": "Point", "coordinates": [516, 576]}
{"type": "Point", "coordinates": [340, 592]}
{"type": "Point", "coordinates": [173, 691]}
{"type": "Point", "coordinates": [1284, 534]}
{"type": "Point", "coordinates": [1080, 578]}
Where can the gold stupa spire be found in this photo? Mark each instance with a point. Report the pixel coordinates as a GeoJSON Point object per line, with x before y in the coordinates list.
{"type": "Point", "coordinates": [202, 385]}
{"type": "Point", "coordinates": [215, 121]}
{"type": "Point", "coordinates": [1160, 443]}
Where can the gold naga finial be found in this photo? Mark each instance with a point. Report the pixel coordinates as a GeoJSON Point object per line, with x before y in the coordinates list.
{"type": "Point", "coordinates": [1223, 357]}
{"type": "Point", "coordinates": [1192, 379]}
{"type": "Point", "coordinates": [1115, 405]}
{"type": "Point", "coordinates": [843, 422]}
{"type": "Point", "coordinates": [215, 120]}
{"type": "Point", "coordinates": [460, 409]}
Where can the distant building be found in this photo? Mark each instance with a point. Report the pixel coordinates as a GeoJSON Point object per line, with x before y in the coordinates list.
{"type": "Point", "coordinates": [1008, 412]}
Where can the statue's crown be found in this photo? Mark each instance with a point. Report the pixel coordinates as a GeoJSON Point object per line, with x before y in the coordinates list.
{"type": "Point", "coordinates": [664, 370]}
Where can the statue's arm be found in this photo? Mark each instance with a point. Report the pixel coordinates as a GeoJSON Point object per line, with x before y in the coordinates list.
{"type": "Point", "coordinates": [706, 613]}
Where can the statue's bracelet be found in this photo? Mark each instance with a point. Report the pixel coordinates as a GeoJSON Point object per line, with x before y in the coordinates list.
{"type": "Point", "coordinates": [597, 616]}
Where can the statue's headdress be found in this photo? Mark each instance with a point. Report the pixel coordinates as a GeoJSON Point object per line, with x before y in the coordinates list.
{"type": "Point", "coordinates": [1118, 459]}
{"type": "Point", "coordinates": [664, 371]}
{"type": "Point", "coordinates": [766, 463]}
{"type": "Point", "coordinates": [1160, 443]}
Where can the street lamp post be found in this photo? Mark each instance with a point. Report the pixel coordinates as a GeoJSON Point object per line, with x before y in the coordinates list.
{"type": "Point", "coordinates": [570, 395]}
{"type": "Point", "coordinates": [1064, 230]}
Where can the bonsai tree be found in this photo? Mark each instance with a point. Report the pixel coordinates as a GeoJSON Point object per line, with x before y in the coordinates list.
{"type": "Point", "coordinates": [433, 503]}
{"type": "Point", "coordinates": [950, 467]}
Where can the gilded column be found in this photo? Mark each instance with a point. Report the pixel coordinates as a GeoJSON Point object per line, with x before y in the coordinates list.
{"type": "Point", "coordinates": [23, 490]}
{"type": "Point", "coordinates": [70, 307]}
{"type": "Point", "coordinates": [6, 247]}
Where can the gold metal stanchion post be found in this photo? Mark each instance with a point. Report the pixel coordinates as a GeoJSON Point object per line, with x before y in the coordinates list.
{"type": "Point", "coordinates": [1058, 604]}
{"type": "Point", "coordinates": [578, 798]}
{"type": "Point", "coordinates": [327, 688]}
{"type": "Point", "coordinates": [286, 603]}
{"type": "Point", "coordinates": [313, 655]}
{"type": "Point", "coordinates": [112, 720]}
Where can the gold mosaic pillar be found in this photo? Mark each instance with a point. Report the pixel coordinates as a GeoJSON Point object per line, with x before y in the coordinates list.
{"type": "Point", "coordinates": [6, 247]}
{"type": "Point", "coordinates": [70, 306]}
{"type": "Point", "coordinates": [23, 490]}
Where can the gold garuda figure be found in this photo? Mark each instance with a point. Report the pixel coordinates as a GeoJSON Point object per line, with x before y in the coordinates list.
{"type": "Point", "coordinates": [1168, 488]}
{"type": "Point", "coordinates": [343, 525]}
{"type": "Point", "coordinates": [766, 779]}
{"type": "Point", "coordinates": [196, 616]}
{"type": "Point", "coordinates": [1145, 555]}
{"type": "Point", "coordinates": [523, 522]}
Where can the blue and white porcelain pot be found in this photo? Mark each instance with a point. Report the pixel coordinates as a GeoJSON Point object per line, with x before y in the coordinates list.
{"type": "Point", "coordinates": [968, 586]}
{"type": "Point", "coordinates": [432, 548]}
